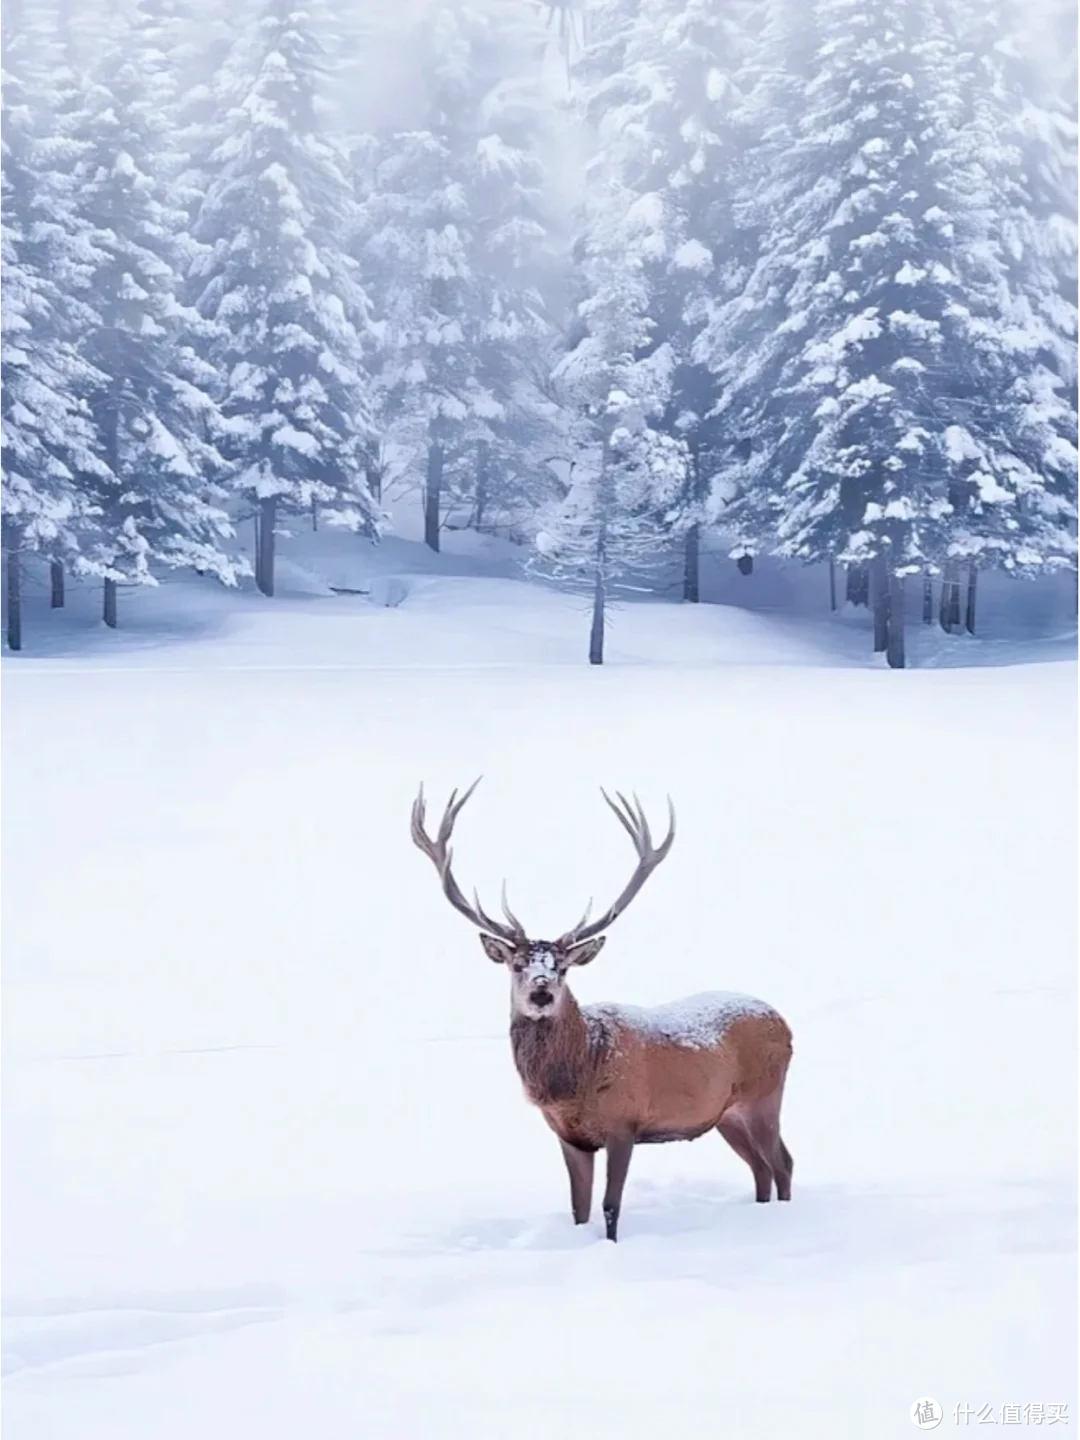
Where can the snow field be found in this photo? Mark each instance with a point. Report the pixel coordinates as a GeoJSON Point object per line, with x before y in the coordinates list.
{"type": "Point", "coordinates": [268, 1168]}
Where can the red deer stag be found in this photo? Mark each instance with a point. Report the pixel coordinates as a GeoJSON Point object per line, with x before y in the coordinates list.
{"type": "Point", "coordinates": [615, 1076]}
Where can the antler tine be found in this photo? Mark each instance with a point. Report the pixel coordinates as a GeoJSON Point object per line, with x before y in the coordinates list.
{"type": "Point", "coordinates": [504, 902]}
{"type": "Point", "coordinates": [634, 821]}
{"type": "Point", "coordinates": [584, 918]}
{"type": "Point", "coordinates": [643, 824]}
{"type": "Point", "coordinates": [441, 856]}
{"type": "Point", "coordinates": [624, 813]}
{"type": "Point", "coordinates": [419, 834]}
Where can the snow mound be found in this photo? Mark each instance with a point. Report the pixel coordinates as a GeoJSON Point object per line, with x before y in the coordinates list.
{"type": "Point", "coordinates": [293, 579]}
{"type": "Point", "coordinates": [388, 590]}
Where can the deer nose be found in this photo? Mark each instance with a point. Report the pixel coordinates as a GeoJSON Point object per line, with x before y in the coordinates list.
{"type": "Point", "coordinates": [542, 998]}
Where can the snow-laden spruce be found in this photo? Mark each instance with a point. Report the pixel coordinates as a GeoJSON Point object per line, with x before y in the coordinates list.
{"type": "Point", "coordinates": [156, 420]}
{"type": "Point", "coordinates": [450, 237]}
{"type": "Point", "coordinates": [276, 281]}
{"type": "Point", "coordinates": [48, 451]}
{"type": "Point", "coordinates": [661, 92]}
{"type": "Point", "coordinates": [893, 356]}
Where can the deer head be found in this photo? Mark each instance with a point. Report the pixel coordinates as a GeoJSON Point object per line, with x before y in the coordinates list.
{"type": "Point", "coordinates": [538, 968]}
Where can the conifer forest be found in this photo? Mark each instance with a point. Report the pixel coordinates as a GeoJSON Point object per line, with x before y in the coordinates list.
{"type": "Point", "coordinates": [605, 277]}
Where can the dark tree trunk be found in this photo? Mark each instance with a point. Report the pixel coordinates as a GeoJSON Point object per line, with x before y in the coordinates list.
{"type": "Point", "coordinates": [949, 608]}
{"type": "Point", "coordinates": [895, 651]}
{"type": "Point", "coordinates": [373, 476]}
{"type": "Point", "coordinates": [14, 602]}
{"type": "Point", "coordinates": [928, 600]}
{"type": "Point", "coordinates": [108, 607]}
{"type": "Point", "coordinates": [880, 591]}
{"type": "Point", "coordinates": [857, 590]}
{"type": "Point", "coordinates": [482, 479]}
{"type": "Point", "coordinates": [832, 585]}
{"type": "Point", "coordinates": [56, 577]}
{"type": "Point", "coordinates": [258, 551]}
{"type": "Point", "coordinates": [264, 569]}
{"type": "Point", "coordinates": [954, 605]}
{"type": "Point", "coordinates": [969, 614]}
{"type": "Point", "coordinates": [433, 495]}
{"type": "Point", "coordinates": [692, 564]}
{"type": "Point", "coordinates": [596, 633]}
{"type": "Point", "coordinates": [314, 515]}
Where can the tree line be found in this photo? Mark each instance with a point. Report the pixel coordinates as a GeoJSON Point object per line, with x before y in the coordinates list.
{"type": "Point", "coordinates": [800, 270]}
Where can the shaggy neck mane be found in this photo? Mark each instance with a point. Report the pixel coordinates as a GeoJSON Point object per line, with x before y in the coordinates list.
{"type": "Point", "coordinates": [556, 1058]}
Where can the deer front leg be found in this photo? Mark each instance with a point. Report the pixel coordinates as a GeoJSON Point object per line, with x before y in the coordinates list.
{"type": "Point", "coordinates": [579, 1164]}
{"type": "Point", "coordinates": [618, 1163]}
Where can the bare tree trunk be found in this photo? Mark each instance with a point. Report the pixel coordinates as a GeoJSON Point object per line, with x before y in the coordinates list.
{"type": "Point", "coordinates": [108, 607]}
{"type": "Point", "coordinates": [832, 585]}
{"type": "Point", "coordinates": [949, 608]}
{"type": "Point", "coordinates": [14, 602]}
{"type": "Point", "coordinates": [895, 651]}
{"type": "Point", "coordinates": [314, 514]}
{"type": "Point", "coordinates": [969, 615]}
{"type": "Point", "coordinates": [482, 478]}
{"type": "Point", "coordinates": [692, 564]}
{"type": "Point", "coordinates": [264, 567]}
{"type": "Point", "coordinates": [857, 590]}
{"type": "Point", "coordinates": [596, 633]}
{"type": "Point", "coordinates": [928, 599]}
{"type": "Point", "coordinates": [880, 592]}
{"type": "Point", "coordinates": [373, 475]}
{"type": "Point", "coordinates": [56, 577]}
{"type": "Point", "coordinates": [433, 495]}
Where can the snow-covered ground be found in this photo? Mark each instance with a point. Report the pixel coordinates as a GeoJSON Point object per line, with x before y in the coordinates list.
{"type": "Point", "coordinates": [267, 1167]}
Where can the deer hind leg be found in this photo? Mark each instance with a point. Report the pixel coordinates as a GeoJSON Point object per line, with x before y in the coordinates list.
{"type": "Point", "coordinates": [738, 1133]}
{"type": "Point", "coordinates": [764, 1123]}
{"type": "Point", "coordinates": [783, 1168]}
{"type": "Point", "coordinates": [579, 1165]}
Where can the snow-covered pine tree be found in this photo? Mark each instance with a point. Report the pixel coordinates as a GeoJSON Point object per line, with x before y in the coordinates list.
{"type": "Point", "coordinates": [508, 195]}
{"type": "Point", "coordinates": [627, 475]}
{"type": "Point", "coordinates": [452, 228]}
{"type": "Point", "coordinates": [671, 126]}
{"type": "Point", "coordinates": [1010, 450]}
{"type": "Point", "coordinates": [155, 417]}
{"type": "Point", "coordinates": [852, 350]}
{"type": "Point", "coordinates": [211, 66]}
{"type": "Point", "coordinates": [278, 283]}
{"type": "Point", "coordinates": [605, 530]}
{"type": "Point", "coordinates": [48, 437]}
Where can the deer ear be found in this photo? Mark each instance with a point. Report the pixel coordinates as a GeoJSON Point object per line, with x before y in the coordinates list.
{"type": "Point", "coordinates": [586, 951]}
{"type": "Point", "coordinates": [497, 950]}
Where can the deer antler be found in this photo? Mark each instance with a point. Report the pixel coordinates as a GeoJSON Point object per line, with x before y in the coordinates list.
{"type": "Point", "coordinates": [632, 819]}
{"type": "Point", "coordinates": [439, 853]}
